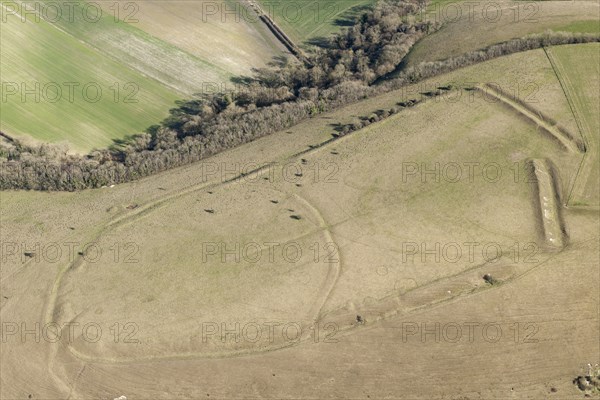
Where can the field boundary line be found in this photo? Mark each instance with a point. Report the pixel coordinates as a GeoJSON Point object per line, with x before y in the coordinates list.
{"type": "Point", "coordinates": [536, 117]}
{"type": "Point", "coordinates": [133, 68]}
{"type": "Point", "coordinates": [566, 88]}
{"type": "Point", "coordinates": [574, 104]}
{"type": "Point", "coordinates": [279, 33]}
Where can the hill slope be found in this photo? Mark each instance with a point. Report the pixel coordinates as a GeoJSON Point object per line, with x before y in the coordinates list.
{"type": "Point", "coordinates": [356, 194]}
{"type": "Point", "coordinates": [164, 52]}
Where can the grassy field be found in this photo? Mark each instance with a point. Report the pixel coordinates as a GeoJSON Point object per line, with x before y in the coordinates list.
{"type": "Point", "coordinates": [363, 207]}
{"type": "Point", "coordinates": [591, 26]}
{"type": "Point", "coordinates": [335, 247]}
{"type": "Point", "coordinates": [577, 67]}
{"type": "Point", "coordinates": [229, 40]}
{"type": "Point", "coordinates": [304, 20]}
{"type": "Point", "coordinates": [39, 52]}
{"type": "Point", "coordinates": [139, 68]}
{"type": "Point", "coordinates": [354, 193]}
{"type": "Point", "coordinates": [479, 27]}
{"type": "Point", "coordinates": [139, 51]}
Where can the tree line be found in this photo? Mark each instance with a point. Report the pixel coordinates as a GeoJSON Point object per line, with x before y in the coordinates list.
{"type": "Point", "coordinates": [342, 72]}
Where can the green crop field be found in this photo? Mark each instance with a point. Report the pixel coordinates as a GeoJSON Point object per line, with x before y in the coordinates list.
{"type": "Point", "coordinates": [139, 51]}
{"type": "Point", "coordinates": [40, 53]}
{"type": "Point", "coordinates": [191, 42]}
{"type": "Point", "coordinates": [140, 75]}
{"type": "Point", "coordinates": [304, 20]}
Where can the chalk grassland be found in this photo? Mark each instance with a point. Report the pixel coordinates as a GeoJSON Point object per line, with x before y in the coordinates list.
{"type": "Point", "coordinates": [530, 67]}
{"type": "Point", "coordinates": [368, 206]}
{"type": "Point", "coordinates": [532, 79]}
{"type": "Point", "coordinates": [38, 52]}
{"type": "Point", "coordinates": [149, 70]}
{"type": "Point", "coordinates": [371, 209]}
{"type": "Point", "coordinates": [303, 20]}
{"type": "Point", "coordinates": [578, 68]}
{"type": "Point", "coordinates": [481, 25]}
{"type": "Point", "coordinates": [528, 76]}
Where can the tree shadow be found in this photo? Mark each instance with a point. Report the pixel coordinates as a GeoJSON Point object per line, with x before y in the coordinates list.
{"type": "Point", "coordinates": [118, 146]}
{"type": "Point", "coordinates": [242, 80]}
{"type": "Point", "coordinates": [346, 19]}
{"type": "Point", "coordinates": [279, 61]}
{"type": "Point", "coordinates": [350, 16]}
{"type": "Point", "coordinates": [338, 127]}
{"type": "Point", "coordinates": [320, 41]}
